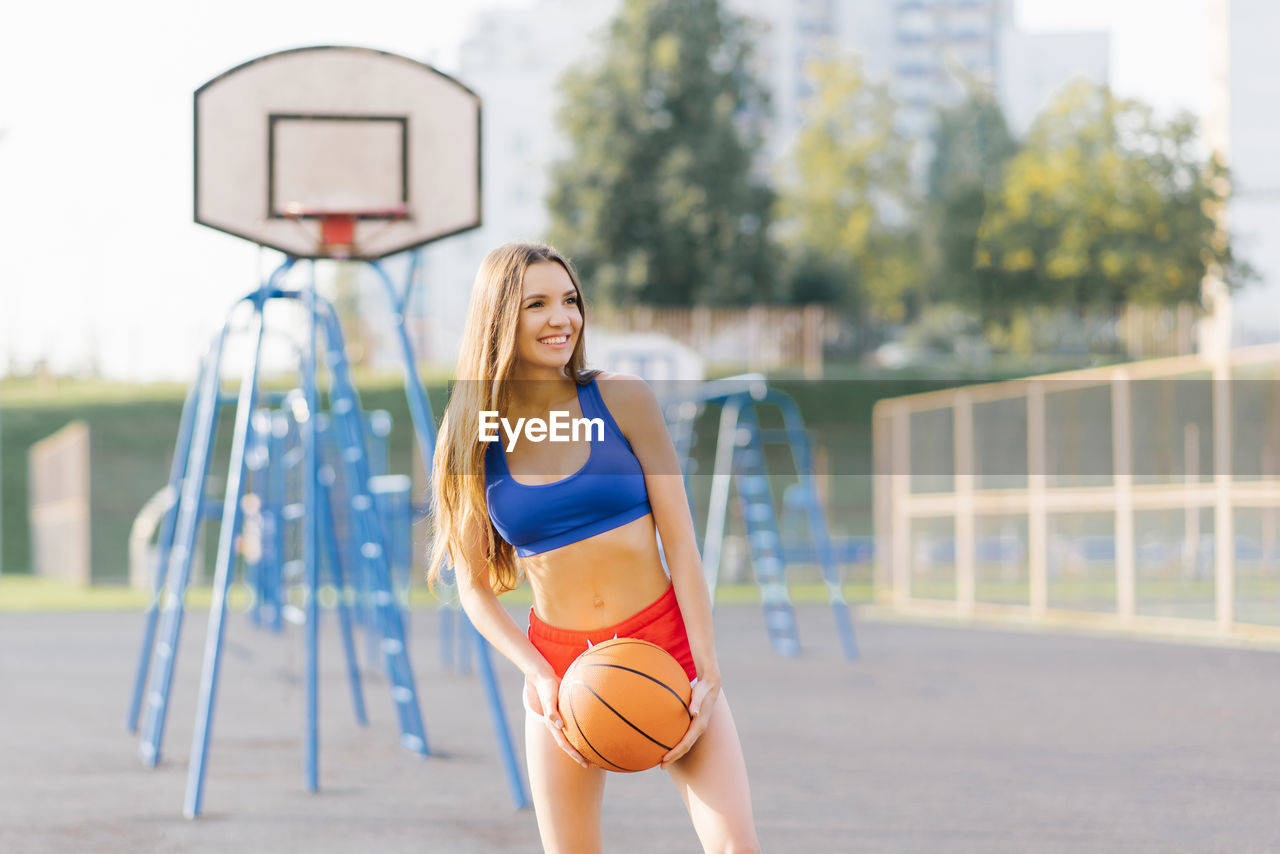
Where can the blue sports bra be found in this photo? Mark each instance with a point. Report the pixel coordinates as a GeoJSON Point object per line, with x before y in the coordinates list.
{"type": "Point", "coordinates": [606, 493]}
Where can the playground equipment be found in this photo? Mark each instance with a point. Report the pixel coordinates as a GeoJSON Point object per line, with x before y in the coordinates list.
{"type": "Point", "coordinates": [273, 508]}
{"type": "Point", "coordinates": [352, 154]}
{"type": "Point", "coordinates": [191, 466]}
{"type": "Point", "coordinates": [740, 463]}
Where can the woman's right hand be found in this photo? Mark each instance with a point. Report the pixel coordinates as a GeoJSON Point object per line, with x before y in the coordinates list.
{"type": "Point", "coordinates": [542, 697]}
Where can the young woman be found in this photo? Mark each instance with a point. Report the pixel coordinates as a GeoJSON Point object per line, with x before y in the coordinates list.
{"type": "Point", "coordinates": [578, 519]}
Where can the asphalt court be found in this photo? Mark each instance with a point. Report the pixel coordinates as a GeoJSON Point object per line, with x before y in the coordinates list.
{"type": "Point", "coordinates": [939, 739]}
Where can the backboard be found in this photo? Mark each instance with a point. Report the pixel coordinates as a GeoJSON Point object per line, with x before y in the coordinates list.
{"type": "Point", "coordinates": [332, 151]}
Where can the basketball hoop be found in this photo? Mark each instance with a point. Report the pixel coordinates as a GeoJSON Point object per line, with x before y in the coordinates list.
{"type": "Point", "coordinates": [310, 148]}
{"type": "Point", "coordinates": [337, 238]}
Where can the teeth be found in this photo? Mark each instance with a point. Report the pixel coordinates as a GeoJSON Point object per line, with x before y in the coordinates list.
{"type": "Point", "coordinates": [558, 340]}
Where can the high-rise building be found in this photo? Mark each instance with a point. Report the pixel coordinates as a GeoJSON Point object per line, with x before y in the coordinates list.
{"type": "Point", "coordinates": [789, 34]}
{"type": "Point", "coordinates": [1243, 125]}
{"type": "Point", "coordinates": [928, 52]}
{"type": "Point", "coordinates": [1033, 67]}
{"type": "Point", "coordinates": [938, 48]}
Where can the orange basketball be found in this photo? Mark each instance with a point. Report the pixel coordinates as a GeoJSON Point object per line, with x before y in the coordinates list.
{"type": "Point", "coordinates": [625, 704]}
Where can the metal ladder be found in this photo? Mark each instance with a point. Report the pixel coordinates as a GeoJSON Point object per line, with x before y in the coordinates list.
{"type": "Point", "coordinates": [740, 462]}
{"type": "Point", "coordinates": [755, 500]}
{"type": "Point", "coordinates": [174, 578]}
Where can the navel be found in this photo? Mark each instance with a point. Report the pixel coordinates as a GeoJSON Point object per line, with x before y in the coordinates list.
{"type": "Point", "coordinates": [598, 602]}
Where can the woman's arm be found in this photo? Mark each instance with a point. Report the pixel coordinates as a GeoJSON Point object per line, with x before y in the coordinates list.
{"type": "Point", "coordinates": [640, 418]}
{"type": "Point", "coordinates": [495, 624]}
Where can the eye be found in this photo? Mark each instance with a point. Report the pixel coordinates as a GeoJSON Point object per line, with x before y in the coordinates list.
{"type": "Point", "coordinates": [535, 304]}
{"type": "Point", "coordinates": [572, 300]}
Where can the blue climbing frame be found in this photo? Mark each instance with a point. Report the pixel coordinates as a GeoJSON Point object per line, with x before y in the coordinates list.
{"type": "Point", "coordinates": [347, 435]}
{"type": "Point", "coordinates": [740, 463]}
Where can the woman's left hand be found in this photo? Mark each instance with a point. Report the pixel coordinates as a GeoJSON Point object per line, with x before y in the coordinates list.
{"type": "Point", "coordinates": [706, 691]}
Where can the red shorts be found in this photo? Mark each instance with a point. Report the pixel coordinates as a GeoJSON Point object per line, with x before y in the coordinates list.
{"type": "Point", "coordinates": [660, 623]}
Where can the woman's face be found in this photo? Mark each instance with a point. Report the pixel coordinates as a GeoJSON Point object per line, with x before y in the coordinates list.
{"type": "Point", "coordinates": [550, 318]}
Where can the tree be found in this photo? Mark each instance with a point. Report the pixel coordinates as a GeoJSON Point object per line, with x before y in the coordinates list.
{"type": "Point", "coordinates": [971, 147]}
{"type": "Point", "coordinates": [1104, 205]}
{"type": "Point", "coordinates": [846, 207]}
{"type": "Point", "coordinates": [657, 202]}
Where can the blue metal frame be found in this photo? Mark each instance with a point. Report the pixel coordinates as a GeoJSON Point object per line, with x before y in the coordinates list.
{"type": "Point", "coordinates": [310, 537]}
{"type": "Point", "coordinates": [373, 562]}
{"type": "Point", "coordinates": [177, 569]}
{"type": "Point", "coordinates": [334, 562]}
{"type": "Point", "coordinates": [347, 415]}
{"type": "Point", "coordinates": [348, 420]}
{"type": "Point", "coordinates": [177, 473]}
{"type": "Point", "coordinates": [740, 461]}
{"type": "Point", "coordinates": [226, 557]}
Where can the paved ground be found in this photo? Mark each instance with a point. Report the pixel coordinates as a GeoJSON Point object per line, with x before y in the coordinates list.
{"type": "Point", "coordinates": [940, 739]}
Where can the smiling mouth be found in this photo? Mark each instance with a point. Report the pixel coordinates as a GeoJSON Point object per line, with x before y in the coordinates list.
{"type": "Point", "coordinates": [555, 339]}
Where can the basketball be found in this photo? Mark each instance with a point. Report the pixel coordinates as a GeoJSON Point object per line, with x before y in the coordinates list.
{"type": "Point", "coordinates": [625, 704]}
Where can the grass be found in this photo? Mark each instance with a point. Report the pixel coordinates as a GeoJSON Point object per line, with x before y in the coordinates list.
{"type": "Point", "coordinates": [30, 594]}
{"type": "Point", "coordinates": [27, 593]}
{"type": "Point", "coordinates": [1164, 589]}
{"type": "Point", "coordinates": [65, 392]}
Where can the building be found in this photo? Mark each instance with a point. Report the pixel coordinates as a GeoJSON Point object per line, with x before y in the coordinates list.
{"type": "Point", "coordinates": [789, 35]}
{"type": "Point", "coordinates": [1243, 125]}
{"type": "Point", "coordinates": [1033, 67]}
{"type": "Point", "coordinates": [939, 48]}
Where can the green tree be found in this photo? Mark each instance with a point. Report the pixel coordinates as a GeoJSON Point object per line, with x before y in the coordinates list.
{"type": "Point", "coordinates": [1104, 205]}
{"type": "Point", "coordinates": [847, 209]}
{"type": "Point", "coordinates": [658, 202]}
{"type": "Point", "coordinates": [971, 147]}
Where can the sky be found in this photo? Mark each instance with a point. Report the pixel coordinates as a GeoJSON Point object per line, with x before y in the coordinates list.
{"type": "Point", "coordinates": [100, 263]}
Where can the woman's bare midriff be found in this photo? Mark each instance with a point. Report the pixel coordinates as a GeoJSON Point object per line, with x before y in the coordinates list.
{"type": "Point", "coordinates": [598, 581]}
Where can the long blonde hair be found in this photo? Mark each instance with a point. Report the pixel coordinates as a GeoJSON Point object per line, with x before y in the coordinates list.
{"type": "Point", "coordinates": [485, 363]}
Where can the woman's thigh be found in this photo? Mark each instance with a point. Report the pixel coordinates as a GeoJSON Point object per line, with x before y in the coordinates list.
{"type": "Point", "coordinates": [566, 796]}
{"type": "Point", "coordinates": [712, 779]}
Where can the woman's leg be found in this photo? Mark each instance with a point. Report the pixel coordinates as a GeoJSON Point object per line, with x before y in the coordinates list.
{"type": "Point", "coordinates": [566, 796]}
{"type": "Point", "coordinates": [712, 779]}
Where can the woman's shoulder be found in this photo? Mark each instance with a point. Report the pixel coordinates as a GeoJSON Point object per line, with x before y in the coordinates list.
{"type": "Point", "coordinates": [613, 384]}
{"type": "Point", "coordinates": [629, 398]}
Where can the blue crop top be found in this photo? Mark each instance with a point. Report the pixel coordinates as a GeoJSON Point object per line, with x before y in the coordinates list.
{"type": "Point", "coordinates": [606, 493]}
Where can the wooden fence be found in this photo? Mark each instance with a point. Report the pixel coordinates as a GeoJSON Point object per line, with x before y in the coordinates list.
{"type": "Point", "coordinates": [58, 485]}
{"type": "Point", "coordinates": [760, 338]}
